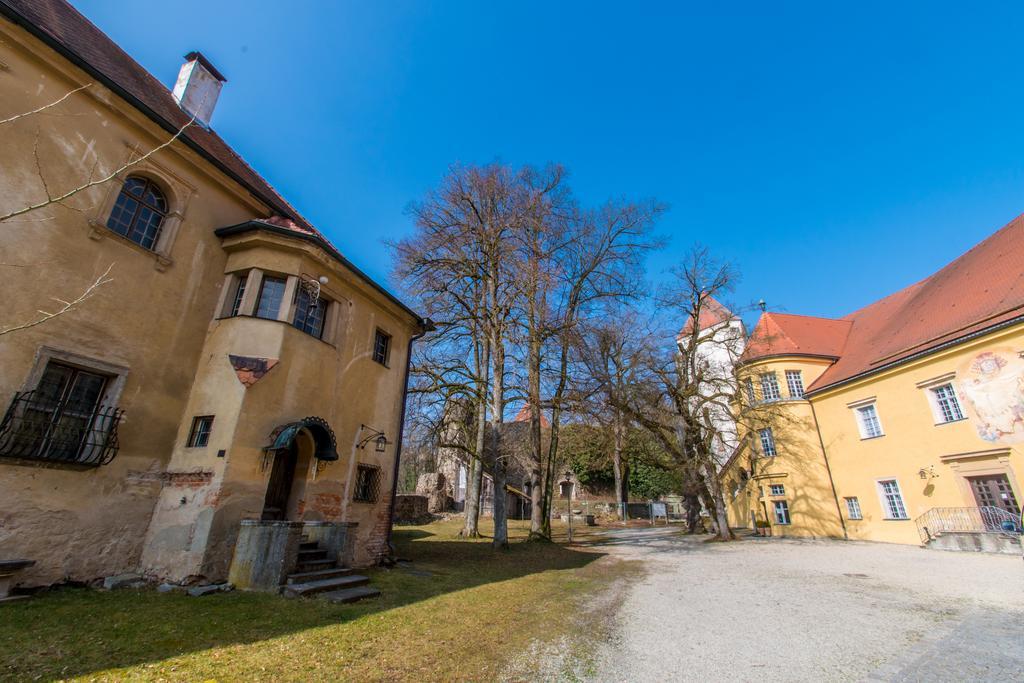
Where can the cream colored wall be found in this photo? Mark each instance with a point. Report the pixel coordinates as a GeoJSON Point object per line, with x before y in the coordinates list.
{"type": "Point", "coordinates": [913, 441]}
{"type": "Point", "coordinates": [799, 466]}
{"type": "Point", "coordinates": [151, 319]}
{"type": "Point", "coordinates": [337, 381]}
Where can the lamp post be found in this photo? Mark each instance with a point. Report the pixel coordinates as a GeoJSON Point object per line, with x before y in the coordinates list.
{"type": "Point", "coordinates": [567, 492]}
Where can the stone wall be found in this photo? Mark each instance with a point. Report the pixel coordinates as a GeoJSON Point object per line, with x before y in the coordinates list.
{"type": "Point", "coordinates": [411, 508]}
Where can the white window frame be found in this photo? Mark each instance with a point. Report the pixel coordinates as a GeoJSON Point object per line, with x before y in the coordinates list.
{"type": "Point", "coordinates": [781, 489]}
{"type": "Point", "coordinates": [770, 386]}
{"type": "Point", "coordinates": [853, 510]}
{"type": "Point", "coordinates": [956, 411]}
{"type": "Point", "coordinates": [767, 444]}
{"type": "Point", "coordinates": [887, 512]}
{"type": "Point", "coordinates": [751, 393]}
{"type": "Point", "coordinates": [795, 378]}
{"type": "Point", "coordinates": [783, 505]}
{"type": "Point", "coordinates": [859, 409]}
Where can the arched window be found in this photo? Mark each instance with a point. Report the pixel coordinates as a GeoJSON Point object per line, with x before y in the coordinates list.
{"type": "Point", "coordinates": [139, 212]}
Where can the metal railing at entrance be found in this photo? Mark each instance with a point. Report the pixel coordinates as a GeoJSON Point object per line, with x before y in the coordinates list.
{"type": "Point", "coordinates": [986, 519]}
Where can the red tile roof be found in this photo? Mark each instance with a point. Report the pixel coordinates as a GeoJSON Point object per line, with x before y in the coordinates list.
{"type": "Point", "coordinates": [981, 289]}
{"type": "Point", "coordinates": [524, 416]}
{"type": "Point", "coordinates": [782, 334]}
{"type": "Point", "coordinates": [61, 26]}
{"type": "Point", "coordinates": [711, 313]}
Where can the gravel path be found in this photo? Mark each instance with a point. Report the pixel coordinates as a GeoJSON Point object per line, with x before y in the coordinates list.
{"type": "Point", "coordinates": [813, 610]}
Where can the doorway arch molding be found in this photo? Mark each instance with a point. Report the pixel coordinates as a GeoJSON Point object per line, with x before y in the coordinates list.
{"type": "Point", "coordinates": [326, 446]}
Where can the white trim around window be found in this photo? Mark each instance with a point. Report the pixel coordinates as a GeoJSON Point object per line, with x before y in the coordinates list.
{"type": "Point", "coordinates": [869, 423]}
{"type": "Point", "coordinates": [944, 401]}
{"type": "Point", "coordinates": [890, 495]}
{"type": "Point", "coordinates": [853, 508]}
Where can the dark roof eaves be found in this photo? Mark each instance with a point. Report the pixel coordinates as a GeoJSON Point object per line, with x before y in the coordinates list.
{"type": "Point", "coordinates": [59, 47]}
{"type": "Point", "coordinates": [914, 356]}
{"type": "Point", "coordinates": [788, 354]}
{"type": "Point", "coordinates": [248, 226]}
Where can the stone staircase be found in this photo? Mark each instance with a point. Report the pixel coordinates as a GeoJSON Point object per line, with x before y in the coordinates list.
{"type": "Point", "coordinates": [317, 574]}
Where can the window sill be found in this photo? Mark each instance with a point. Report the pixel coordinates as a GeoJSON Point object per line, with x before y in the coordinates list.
{"type": "Point", "coordinates": [870, 438]}
{"type": "Point", "coordinates": [99, 231]}
{"type": "Point", "coordinates": [306, 335]}
{"type": "Point", "coordinates": [896, 519]}
{"type": "Point", "coordinates": [951, 422]}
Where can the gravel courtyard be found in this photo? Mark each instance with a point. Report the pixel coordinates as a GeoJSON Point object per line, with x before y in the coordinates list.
{"type": "Point", "coordinates": [813, 610]}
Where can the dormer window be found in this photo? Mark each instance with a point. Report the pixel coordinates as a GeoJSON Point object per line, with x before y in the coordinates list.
{"type": "Point", "coordinates": [139, 212]}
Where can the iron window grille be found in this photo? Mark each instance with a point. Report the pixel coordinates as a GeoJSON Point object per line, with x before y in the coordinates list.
{"type": "Point", "coordinates": [767, 442]}
{"type": "Point", "coordinates": [309, 314]}
{"type": "Point", "coordinates": [381, 347]}
{"type": "Point", "coordinates": [853, 508]}
{"type": "Point", "coordinates": [795, 383]}
{"type": "Point", "coordinates": [139, 212]}
{"type": "Point", "coordinates": [271, 294]}
{"type": "Point", "coordinates": [770, 387]}
{"type": "Point", "coordinates": [949, 406]}
{"type": "Point", "coordinates": [66, 430]}
{"type": "Point", "coordinates": [199, 434]}
{"type": "Point", "coordinates": [781, 512]}
{"type": "Point", "coordinates": [367, 488]}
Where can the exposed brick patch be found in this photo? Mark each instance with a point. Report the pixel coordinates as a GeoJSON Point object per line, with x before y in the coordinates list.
{"type": "Point", "coordinates": [327, 504]}
{"type": "Point", "coordinates": [191, 480]}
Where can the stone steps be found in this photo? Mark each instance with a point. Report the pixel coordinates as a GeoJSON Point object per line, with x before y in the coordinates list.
{"type": "Point", "coordinates": [329, 573]}
{"type": "Point", "coordinates": [315, 565]}
{"type": "Point", "coordinates": [312, 554]}
{"type": "Point", "coordinates": [348, 595]}
{"type": "Point", "coordinates": [295, 590]}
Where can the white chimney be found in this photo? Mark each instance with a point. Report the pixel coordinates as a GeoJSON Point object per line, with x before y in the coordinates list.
{"type": "Point", "coordinates": [198, 87]}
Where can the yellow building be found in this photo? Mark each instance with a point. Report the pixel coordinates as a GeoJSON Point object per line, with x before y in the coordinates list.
{"type": "Point", "coordinates": [237, 377]}
{"type": "Point", "coordinates": [901, 422]}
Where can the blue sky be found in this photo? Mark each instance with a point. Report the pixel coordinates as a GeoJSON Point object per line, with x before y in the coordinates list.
{"type": "Point", "coordinates": [835, 152]}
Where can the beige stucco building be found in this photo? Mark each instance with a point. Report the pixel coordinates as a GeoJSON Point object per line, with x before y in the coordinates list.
{"type": "Point", "coordinates": [234, 367]}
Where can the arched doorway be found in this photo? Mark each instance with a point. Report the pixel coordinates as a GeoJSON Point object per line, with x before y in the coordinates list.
{"type": "Point", "coordinates": [295, 446]}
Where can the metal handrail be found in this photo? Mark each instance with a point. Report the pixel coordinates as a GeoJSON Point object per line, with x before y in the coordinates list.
{"type": "Point", "coordinates": [36, 428]}
{"type": "Point", "coordinates": [984, 519]}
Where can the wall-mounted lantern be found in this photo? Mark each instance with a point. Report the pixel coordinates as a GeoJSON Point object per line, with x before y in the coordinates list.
{"type": "Point", "coordinates": [379, 439]}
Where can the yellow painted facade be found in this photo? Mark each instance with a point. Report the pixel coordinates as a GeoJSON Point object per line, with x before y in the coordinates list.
{"type": "Point", "coordinates": [921, 461]}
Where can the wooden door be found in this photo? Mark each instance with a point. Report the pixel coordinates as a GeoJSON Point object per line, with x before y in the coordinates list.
{"type": "Point", "coordinates": [994, 490]}
{"type": "Point", "coordinates": [279, 488]}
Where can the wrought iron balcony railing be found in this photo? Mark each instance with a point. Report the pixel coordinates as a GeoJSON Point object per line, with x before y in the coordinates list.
{"type": "Point", "coordinates": [986, 519]}
{"type": "Point", "coordinates": [36, 428]}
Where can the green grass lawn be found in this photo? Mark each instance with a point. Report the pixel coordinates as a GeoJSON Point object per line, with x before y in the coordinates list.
{"type": "Point", "coordinates": [477, 609]}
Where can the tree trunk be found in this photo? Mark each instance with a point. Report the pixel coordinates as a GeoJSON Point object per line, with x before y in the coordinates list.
{"type": "Point", "coordinates": [500, 463]}
{"type": "Point", "coordinates": [471, 528]}
{"type": "Point", "coordinates": [617, 464]}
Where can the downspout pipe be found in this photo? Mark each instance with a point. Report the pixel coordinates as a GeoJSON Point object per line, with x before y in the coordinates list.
{"type": "Point", "coordinates": [828, 468]}
{"type": "Point", "coordinates": [426, 325]}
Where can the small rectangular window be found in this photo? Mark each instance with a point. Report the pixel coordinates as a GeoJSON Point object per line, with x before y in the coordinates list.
{"type": "Point", "coordinates": [767, 442]}
{"type": "Point", "coordinates": [892, 499]}
{"type": "Point", "coordinates": [199, 435]}
{"type": "Point", "coordinates": [271, 294]}
{"type": "Point", "coordinates": [236, 304]}
{"type": "Point", "coordinates": [870, 427]}
{"type": "Point", "coordinates": [781, 512]}
{"type": "Point", "coordinates": [751, 396]}
{"type": "Point", "coordinates": [853, 508]}
{"type": "Point", "coordinates": [770, 387]}
{"type": "Point", "coordinates": [367, 486]}
{"type": "Point", "coordinates": [778, 490]}
{"type": "Point", "coordinates": [381, 347]}
{"type": "Point", "coordinates": [795, 383]}
{"type": "Point", "coordinates": [947, 403]}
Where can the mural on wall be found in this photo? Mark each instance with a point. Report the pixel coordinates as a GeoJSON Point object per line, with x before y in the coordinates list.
{"type": "Point", "coordinates": [992, 385]}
